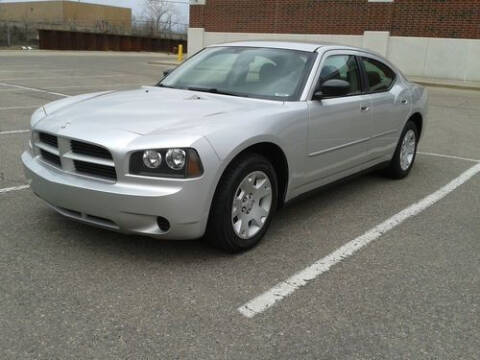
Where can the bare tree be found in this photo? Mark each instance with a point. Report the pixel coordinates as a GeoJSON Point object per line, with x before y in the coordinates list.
{"type": "Point", "coordinates": [159, 14]}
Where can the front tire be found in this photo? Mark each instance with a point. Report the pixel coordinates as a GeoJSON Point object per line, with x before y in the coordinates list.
{"type": "Point", "coordinates": [405, 153]}
{"type": "Point", "coordinates": [244, 204]}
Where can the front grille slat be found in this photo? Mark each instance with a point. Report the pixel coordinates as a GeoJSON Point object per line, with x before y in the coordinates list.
{"type": "Point", "coordinates": [82, 148]}
{"type": "Point", "coordinates": [48, 139]}
{"type": "Point", "coordinates": [103, 171]}
{"type": "Point", "coordinates": [51, 158]}
{"type": "Point", "coordinates": [91, 168]}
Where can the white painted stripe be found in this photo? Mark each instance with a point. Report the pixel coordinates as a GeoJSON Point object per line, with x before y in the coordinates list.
{"type": "Point", "coordinates": [9, 132]}
{"type": "Point", "coordinates": [64, 77]}
{"type": "Point", "coordinates": [45, 70]}
{"type": "Point", "coordinates": [34, 89]}
{"type": "Point", "coordinates": [20, 107]}
{"type": "Point", "coordinates": [14, 188]}
{"type": "Point", "coordinates": [301, 278]}
{"type": "Point", "coordinates": [448, 156]}
{"type": "Point", "coordinates": [97, 88]}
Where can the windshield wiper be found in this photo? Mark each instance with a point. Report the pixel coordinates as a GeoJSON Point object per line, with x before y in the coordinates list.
{"type": "Point", "coordinates": [214, 91]}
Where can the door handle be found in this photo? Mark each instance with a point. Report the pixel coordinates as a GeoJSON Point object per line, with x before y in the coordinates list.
{"type": "Point", "coordinates": [404, 101]}
{"type": "Point", "coordinates": [364, 108]}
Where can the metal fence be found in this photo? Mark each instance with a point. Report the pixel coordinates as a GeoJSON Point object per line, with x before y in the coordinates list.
{"type": "Point", "coordinates": [74, 40]}
{"type": "Point", "coordinates": [26, 33]}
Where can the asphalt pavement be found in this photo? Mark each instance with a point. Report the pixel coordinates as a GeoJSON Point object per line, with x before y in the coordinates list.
{"type": "Point", "coordinates": [71, 291]}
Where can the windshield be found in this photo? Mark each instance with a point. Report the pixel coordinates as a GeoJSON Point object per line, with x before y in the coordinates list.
{"type": "Point", "coordinates": [266, 73]}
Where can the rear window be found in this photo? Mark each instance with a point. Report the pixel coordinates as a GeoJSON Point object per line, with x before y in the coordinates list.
{"type": "Point", "coordinates": [380, 77]}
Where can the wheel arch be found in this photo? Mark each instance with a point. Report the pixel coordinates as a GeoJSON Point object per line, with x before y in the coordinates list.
{"type": "Point", "coordinates": [270, 150]}
{"type": "Point", "coordinates": [417, 119]}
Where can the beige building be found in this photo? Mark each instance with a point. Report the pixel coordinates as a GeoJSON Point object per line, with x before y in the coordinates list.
{"type": "Point", "coordinates": [68, 15]}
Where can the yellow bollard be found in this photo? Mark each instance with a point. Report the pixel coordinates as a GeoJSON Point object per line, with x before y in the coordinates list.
{"type": "Point", "coordinates": [180, 52]}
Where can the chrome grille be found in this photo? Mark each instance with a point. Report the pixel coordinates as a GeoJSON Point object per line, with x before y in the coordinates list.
{"type": "Point", "coordinates": [75, 156]}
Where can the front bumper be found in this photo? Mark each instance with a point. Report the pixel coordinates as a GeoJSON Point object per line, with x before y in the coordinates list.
{"type": "Point", "coordinates": [125, 207]}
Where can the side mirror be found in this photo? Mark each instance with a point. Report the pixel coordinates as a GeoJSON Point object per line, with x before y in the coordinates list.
{"type": "Point", "coordinates": [332, 88]}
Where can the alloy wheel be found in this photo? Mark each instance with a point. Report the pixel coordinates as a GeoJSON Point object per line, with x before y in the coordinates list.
{"type": "Point", "coordinates": [251, 205]}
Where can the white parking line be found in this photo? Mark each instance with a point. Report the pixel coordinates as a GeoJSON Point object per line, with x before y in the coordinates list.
{"type": "Point", "coordinates": [448, 156]}
{"type": "Point", "coordinates": [34, 89]}
{"type": "Point", "coordinates": [97, 88]}
{"type": "Point", "coordinates": [45, 70]}
{"type": "Point", "coordinates": [14, 188]}
{"type": "Point", "coordinates": [9, 132]}
{"type": "Point", "coordinates": [301, 278]}
{"type": "Point", "coordinates": [19, 107]}
{"type": "Point", "coordinates": [62, 77]}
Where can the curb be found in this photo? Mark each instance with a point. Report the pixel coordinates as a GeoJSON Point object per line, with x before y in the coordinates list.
{"type": "Point", "coordinates": [447, 85]}
{"type": "Point", "coordinates": [160, 62]}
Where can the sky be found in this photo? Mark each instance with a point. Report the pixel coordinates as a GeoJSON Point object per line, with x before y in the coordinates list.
{"type": "Point", "coordinates": [135, 5]}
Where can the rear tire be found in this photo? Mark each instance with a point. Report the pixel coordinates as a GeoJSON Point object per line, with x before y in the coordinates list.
{"type": "Point", "coordinates": [244, 203]}
{"type": "Point", "coordinates": [405, 153]}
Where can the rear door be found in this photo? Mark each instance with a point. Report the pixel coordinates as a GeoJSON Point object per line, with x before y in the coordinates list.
{"type": "Point", "coordinates": [390, 105]}
{"type": "Point", "coordinates": [339, 127]}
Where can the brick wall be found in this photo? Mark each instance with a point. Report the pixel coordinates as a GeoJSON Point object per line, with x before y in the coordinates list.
{"type": "Point", "coordinates": [421, 18]}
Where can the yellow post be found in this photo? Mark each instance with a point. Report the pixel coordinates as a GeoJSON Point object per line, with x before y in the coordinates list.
{"type": "Point", "coordinates": [180, 52]}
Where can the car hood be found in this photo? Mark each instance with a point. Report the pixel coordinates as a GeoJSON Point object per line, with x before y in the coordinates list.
{"type": "Point", "coordinates": [147, 110]}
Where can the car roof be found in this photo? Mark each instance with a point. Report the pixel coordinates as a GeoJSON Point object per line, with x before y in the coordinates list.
{"type": "Point", "coordinates": [292, 45]}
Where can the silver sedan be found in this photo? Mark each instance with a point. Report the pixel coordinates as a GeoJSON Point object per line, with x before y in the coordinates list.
{"type": "Point", "coordinates": [224, 140]}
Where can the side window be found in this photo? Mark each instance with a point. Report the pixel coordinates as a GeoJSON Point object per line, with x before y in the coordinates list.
{"type": "Point", "coordinates": [380, 76]}
{"type": "Point", "coordinates": [342, 67]}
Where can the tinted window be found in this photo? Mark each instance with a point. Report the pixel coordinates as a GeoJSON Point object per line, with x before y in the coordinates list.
{"type": "Point", "coordinates": [342, 67]}
{"type": "Point", "coordinates": [278, 74]}
{"type": "Point", "coordinates": [380, 76]}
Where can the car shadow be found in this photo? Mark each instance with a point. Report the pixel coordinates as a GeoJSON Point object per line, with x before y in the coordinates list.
{"type": "Point", "coordinates": [144, 248]}
{"type": "Point", "coordinates": [321, 198]}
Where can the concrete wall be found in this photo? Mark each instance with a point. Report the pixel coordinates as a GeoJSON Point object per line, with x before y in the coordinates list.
{"type": "Point", "coordinates": [456, 59]}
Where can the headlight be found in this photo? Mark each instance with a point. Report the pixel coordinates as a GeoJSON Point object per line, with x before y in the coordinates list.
{"type": "Point", "coordinates": [179, 162]}
{"type": "Point", "coordinates": [176, 159]}
{"type": "Point", "coordinates": [152, 159]}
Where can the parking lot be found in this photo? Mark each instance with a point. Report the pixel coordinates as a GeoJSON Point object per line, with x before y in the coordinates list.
{"type": "Point", "coordinates": [412, 291]}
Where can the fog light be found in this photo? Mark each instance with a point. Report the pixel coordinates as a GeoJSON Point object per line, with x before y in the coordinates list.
{"type": "Point", "coordinates": [176, 159]}
{"type": "Point", "coordinates": [152, 159]}
{"type": "Point", "coordinates": [163, 224]}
